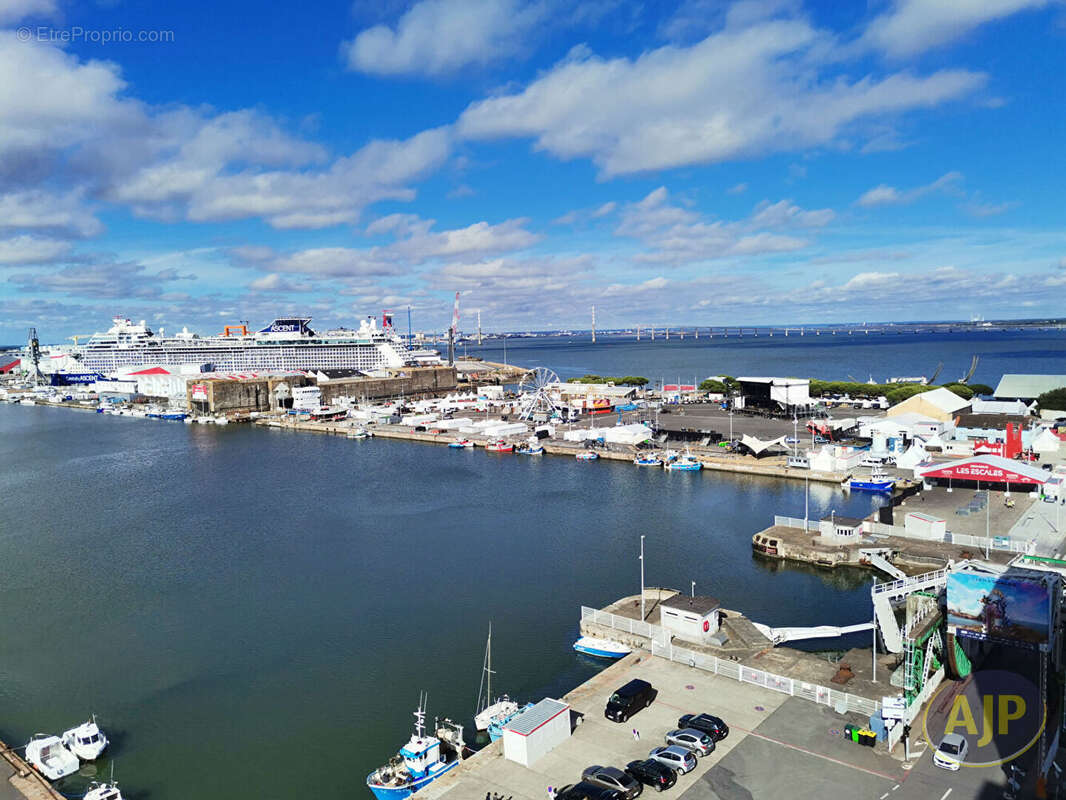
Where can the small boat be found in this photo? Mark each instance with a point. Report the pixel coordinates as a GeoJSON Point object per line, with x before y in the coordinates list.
{"type": "Point", "coordinates": [422, 760]}
{"type": "Point", "coordinates": [461, 444]}
{"type": "Point", "coordinates": [500, 446]}
{"type": "Point", "coordinates": [648, 461]}
{"type": "Point", "coordinates": [530, 449]}
{"type": "Point", "coordinates": [103, 791]}
{"type": "Point", "coordinates": [880, 482]}
{"type": "Point", "coordinates": [588, 455]}
{"type": "Point", "coordinates": [328, 414]}
{"type": "Point", "coordinates": [359, 433]}
{"type": "Point", "coordinates": [86, 741]}
{"type": "Point", "coordinates": [496, 726]}
{"type": "Point", "coordinates": [173, 415]}
{"type": "Point", "coordinates": [488, 710]}
{"type": "Point", "coordinates": [685, 463]}
{"type": "Point", "coordinates": [50, 757]}
{"type": "Point", "coordinates": [601, 648]}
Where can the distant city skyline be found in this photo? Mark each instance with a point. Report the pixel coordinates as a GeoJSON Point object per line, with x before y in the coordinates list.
{"type": "Point", "coordinates": [760, 162]}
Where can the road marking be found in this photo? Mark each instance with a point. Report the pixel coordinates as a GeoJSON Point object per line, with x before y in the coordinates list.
{"type": "Point", "coordinates": [883, 796]}
{"type": "Point", "coordinates": [895, 787]}
{"type": "Point", "coordinates": [945, 795]}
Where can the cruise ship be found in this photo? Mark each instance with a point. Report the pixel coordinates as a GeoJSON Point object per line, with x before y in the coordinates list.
{"type": "Point", "coordinates": [287, 343]}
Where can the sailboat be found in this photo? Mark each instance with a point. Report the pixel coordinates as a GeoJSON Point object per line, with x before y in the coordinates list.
{"type": "Point", "coordinates": [489, 710]}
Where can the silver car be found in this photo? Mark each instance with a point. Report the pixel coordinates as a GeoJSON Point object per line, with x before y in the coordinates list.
{"type": "Point", "coordinates": [676, 758]}
{"type": "Point", "coordinates": [614, 778]}
{"type": "Point", "coordinates": [691, 739]}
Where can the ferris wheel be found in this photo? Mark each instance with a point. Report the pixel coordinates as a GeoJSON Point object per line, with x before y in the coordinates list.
{"type": "Point", "coordinates": [535, 392]}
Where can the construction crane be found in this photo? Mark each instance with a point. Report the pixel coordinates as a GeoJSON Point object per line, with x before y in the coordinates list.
{"type": "Point", "coordinates": [34, 349]}
{"type": "Point", "coordinates": [973, 369]}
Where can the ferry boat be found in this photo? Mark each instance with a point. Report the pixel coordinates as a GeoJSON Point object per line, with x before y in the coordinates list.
{"type": "Point", "coordinates": [880, 482]}
{"type": "Point", "coordinates": [601, 648]}
{"type": "Point", "coordinates": [287, 343]}
{"type": "Point", "coordinates": [421, 761]}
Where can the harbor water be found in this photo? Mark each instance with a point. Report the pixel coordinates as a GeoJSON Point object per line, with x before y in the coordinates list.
{"type": "Point", "coordinates": [252, 613]}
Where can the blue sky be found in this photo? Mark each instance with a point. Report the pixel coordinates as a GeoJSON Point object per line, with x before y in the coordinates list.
{"type": "Point", "coordinates": [687, 162]}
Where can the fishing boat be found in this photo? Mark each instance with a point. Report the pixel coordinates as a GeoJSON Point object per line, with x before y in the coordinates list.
{"type": "Point", "coordinates": [685, 463]}
{"type": "Point", "coordinates": [532, 448]}
{"type": "Point", "coordinates": [421, 761]}
{"type": "Point", "coordinates": [601, 648]}
{"type": "Point", "coordinates": [880, 482]}
{"type": "Point", "coordinates": [359, 433]}
{"type": "Point", "coordinates": [500, 446]}
{"type": "Point", "coordinates": [173, 415]}
{"type": "Point", "coordinates": [588, 455]}
{"type": "Point", "coordinates": [103, 791]}
{"type": "Point", "coordinates": [497, 725]}
{"type": "Point", "coordinates": [47, 753]}
{"type": "Point", "coordinates": [328, 414]}
{"type": "Point", "coordinates": [489, 710]}
{"type": "Point", "coordinates": [461, 444]}
{"type": "Point", "coordinates": [648, 461]}
{"type": "Point", "coordinates": [86, 741]}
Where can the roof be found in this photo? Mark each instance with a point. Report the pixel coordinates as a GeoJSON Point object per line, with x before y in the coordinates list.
{"type": "Point", "coordinates": [778, 381]}
{"type": "Point", "coordinates": [986, 467]}
{"type": "Point", "coordinates": [844, 522]}
{"type": "Point", "coordinates": [1027, 387]}
{"type": "Point", "coordinates": [531, 719]}
{"type": "Point", "coordinates": [700, 604]}
{"type": "Point", "coordinates": [152, 371]}
{"type": "Point", "coordinates": [944, 399]}
{"type": "Point", "coordinates": [979, 406]}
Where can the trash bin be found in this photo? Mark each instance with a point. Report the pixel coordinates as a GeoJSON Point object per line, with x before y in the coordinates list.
{"type": "Point", "coordinates": [849, 732]}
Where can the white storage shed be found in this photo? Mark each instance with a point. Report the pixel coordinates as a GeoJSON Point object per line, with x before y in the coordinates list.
{"type": "Point", "coordinates": [693, 619]}
{"type": "Point", "coordinates": [536, 731]}
{"type": "Point", "coordinates": [925, 526]}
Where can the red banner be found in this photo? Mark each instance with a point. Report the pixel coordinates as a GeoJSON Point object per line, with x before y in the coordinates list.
{"type": "Point", "coordinates": [981, 472]}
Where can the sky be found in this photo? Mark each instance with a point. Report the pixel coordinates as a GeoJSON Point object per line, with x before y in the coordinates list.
{"type": "Point", "coordinates": [684, 163]}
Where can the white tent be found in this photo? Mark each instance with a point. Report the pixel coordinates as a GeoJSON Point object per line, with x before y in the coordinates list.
{"type": "Point", "coordinates": [913, 455]}
{"type": "Point", "coordinates": [1046, 442]}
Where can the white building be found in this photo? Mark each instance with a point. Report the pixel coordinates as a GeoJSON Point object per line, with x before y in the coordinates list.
{"type": "Point", "coordinates": [306, 398]}
{"type": "Point", "coordinates": [692, 619]}
{"type": "Point", "coordinates": [925, 526]}
{"type": "Point", "coordinates": [841, 529]}
{"type": "Point", "coordinates": [536, 731]}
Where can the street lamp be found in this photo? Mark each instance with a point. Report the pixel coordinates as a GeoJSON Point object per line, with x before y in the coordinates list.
{"type": "Point", "coordinates": [642, 577]}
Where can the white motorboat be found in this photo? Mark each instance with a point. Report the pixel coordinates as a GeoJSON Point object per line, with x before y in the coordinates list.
{"type": "Point", "coordinates": [50, 757]}
{"type": "Point", "coordinates": [103, 791]}
{"type": "Point", "coordinates": [86, 741]}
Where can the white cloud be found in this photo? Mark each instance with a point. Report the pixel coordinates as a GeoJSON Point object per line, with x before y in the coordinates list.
{"type": "Point", "coordinates": [913, 26]}
{"type": "Point", "coordinates": [784, 213]}
{"type": "Point", "coordinates": [741, 92]}
{"type": "Point", "coordinates": [35, 209]}
{"type": "Point", "coordinates": [739, 188]}
{"type": "Point", "coordinates": [31, 250]}
{"type": "Point", "coordinates": [884, 195]}
{"type": "Point", "coordinates": [275, 283]}
{"type": "Point", "coordinates": [436, 37]}
{"type": "Point", "coordinates": [15, 10]}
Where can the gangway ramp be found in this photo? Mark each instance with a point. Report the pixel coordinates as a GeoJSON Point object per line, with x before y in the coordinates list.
{"type": "Point", "coordinates": [877, 559]}
{"type": "Point", "coordinates": [884, 594]}
{"type": "Point", "coordinates": [781, 635]}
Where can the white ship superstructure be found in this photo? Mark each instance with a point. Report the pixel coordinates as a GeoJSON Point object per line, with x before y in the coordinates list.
{"type": "Point", "coordinates": [288, 343]}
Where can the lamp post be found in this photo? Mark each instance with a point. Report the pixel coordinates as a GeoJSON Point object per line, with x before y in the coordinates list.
{"type": "Point", "coordinates": [693, 588]}
{"type": "Point", "coordinates": [988, 524]}
{"type": "Point", "coordinates": [731, 424]}
{"type": "Point", "coordinates": [795, 433]}
{"type": "Point", "coordinates": [642, 577]}
{"type": "Point", "coordinates": [806, 500]}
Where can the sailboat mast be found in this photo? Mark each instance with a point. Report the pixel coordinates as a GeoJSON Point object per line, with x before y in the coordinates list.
{"type": "Point", "coordinates": [488, 669]}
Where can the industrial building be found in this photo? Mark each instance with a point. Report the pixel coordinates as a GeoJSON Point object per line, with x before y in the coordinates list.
{"type": "Point", "coordinates": [1027, 387]}
{"type": "Point", "coordinates": [940, 404]}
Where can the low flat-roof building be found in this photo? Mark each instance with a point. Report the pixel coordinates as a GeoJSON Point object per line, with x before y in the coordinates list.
{"type": "Point", "coordinates": [1027, 387]}
{"type": "Point", "coordinates": [693, 619]}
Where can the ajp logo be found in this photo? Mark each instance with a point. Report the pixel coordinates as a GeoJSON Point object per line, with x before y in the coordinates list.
{"type": "Point", "coordinates": [1000, 714]}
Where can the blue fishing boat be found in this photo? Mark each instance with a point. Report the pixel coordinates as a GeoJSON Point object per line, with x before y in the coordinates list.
{"type": "Point", "coordinates": [530, 450]}
{"type": "Point", "coordinates": [879, 483]}
{"type": "Point", "coordinates": [685, 463]}
{"type": "Point", "coordinates": [461, 444]}
{"type": "Point", "coordinates": [601, 648]}
{"type": "Point", "coordinates": [175, 415]}
{"type": "Point", "coordinates": [421, 761]}
{"type": "Point", "coordinates": [648, 461]}
{"type": "Point", "coordinates": [496, 726]}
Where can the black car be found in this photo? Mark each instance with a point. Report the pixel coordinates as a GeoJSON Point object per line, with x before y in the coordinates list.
{"type": "Point", "coordinates": [628, 700]}
{"type": "Point", "coordinates": [614, 778]}
{"type": "Point", "coordinates": [713, 726]}
{"type": "Point", "coordinates": [651, 773]}
{"type": "Point", "coordinates": [587, 791]}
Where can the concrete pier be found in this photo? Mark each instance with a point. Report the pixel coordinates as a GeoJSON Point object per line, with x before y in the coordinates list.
{"type": "Point", "coordinates": [20, 781]}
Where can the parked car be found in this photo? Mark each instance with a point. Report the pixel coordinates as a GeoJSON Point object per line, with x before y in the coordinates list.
{"type": "Point", "coordinates": [628, 700]}
{"type": "Point", "coordinates": [791, 440]}
{"type": "Point", "coordinates": [951, 753]}
{"type": "Point", "coordinates": [677, 758]}
{"type": "Point", "coordinates": [652, 773]}
{"type": "Point", "coordinates": [697, 741]}
{"type": "Point", "coordinates": [587, 791]}
{"type": "Point", "coordinates": [613, 778]}
{"type": "Point", "coordinates": [713, 726]}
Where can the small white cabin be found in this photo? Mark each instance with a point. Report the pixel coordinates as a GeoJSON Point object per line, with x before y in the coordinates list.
{"type": "Point", "coordinates": [691, 619]}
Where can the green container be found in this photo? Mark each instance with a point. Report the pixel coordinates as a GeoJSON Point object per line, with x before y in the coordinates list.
{"type": "Point", "coordinates": [850, 732]}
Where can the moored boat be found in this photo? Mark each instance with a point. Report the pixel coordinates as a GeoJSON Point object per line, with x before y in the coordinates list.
{"type": "Point", "coordinates": [685, 463]}
{"type": "Point", "coordinates": [86, 741]}
{"type": "Point", "coordinates": [500, 446]}
{"type": "Point", "coordinates": [419, 762]}
{"type": "Point", "coordinates": [587, 455]}
{"type": "Point", "coordinates": [880, 482]}
{"type": "Point", "coordinates": [103, 791]}
{"type": "Point", "coordinates": [50, 757]}
{"type": "Point", "coordinates": [601, 648]}
{"type": "Point", "coordinates": [359, 433]}
{"type": "Point", "coordinates": [648, 461]}
{"type": "Point", "coordinates": [460, 444]}
{"type": "Point", "coordinates": [495, 728]}
{"type": "Point", "coordinates": [530, 449]}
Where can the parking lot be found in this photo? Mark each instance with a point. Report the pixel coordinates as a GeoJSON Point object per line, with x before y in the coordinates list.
{"type": "Point", "coordinates": [777, 746]}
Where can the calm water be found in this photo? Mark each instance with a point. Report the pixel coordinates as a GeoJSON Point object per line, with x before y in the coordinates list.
{"type": "Point", "coordinates": [254, 612]}
{"type": "Point", "coordinates": [839, 357]}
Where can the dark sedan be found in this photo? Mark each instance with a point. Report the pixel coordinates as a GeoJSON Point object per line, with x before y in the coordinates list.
{"type": "Point", "coordinates": [587, 791]}
{"type": "Point", "coordinates": [651, 773]}
{"type": "Point", "coordinates": [613, 778]}
{"type": "Point", "coordinates": [713, 726]}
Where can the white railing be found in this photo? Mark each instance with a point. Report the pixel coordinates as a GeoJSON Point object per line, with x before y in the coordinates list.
{"type": "Point", "coordinates": [1002, 543]}
{"type": "Point", "coordinates": [795, 522]}
{"type": "Point", "coordinates": [911, 584]}
{"type": "Point", "coordinates": [662, 646]}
